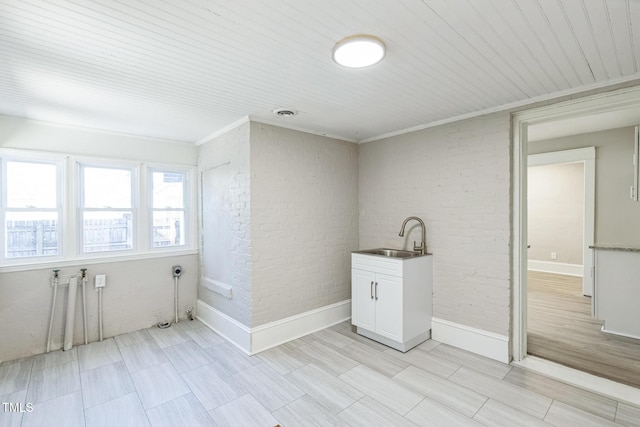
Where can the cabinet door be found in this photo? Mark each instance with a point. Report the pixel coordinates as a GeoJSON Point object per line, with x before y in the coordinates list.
{"type": "Point", "coordinates": [363, 307]}
{"type": "Point", "coordinates": [389, 307]}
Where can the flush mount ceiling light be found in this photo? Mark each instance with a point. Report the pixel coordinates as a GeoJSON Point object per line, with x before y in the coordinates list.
{"type": "Point", "coordinates": [359, 51]}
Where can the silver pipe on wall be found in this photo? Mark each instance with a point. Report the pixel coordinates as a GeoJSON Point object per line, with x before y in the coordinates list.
{"type": "Point", "coordinates": [176, 271]}
{"type": "Point", "coordinates": [175, 296]}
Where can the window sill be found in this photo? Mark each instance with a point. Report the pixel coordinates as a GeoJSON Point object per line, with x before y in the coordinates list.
{"type": "Point", "coordinates": [92, 260]}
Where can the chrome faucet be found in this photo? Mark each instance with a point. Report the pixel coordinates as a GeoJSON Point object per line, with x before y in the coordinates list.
{"type": "Point", "coordinates": [423, 245]}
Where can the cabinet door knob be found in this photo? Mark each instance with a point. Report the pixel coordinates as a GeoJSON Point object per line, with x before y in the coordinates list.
{"type": "Point", "coordinates": [372, 289]}
{"type": "Point", "coordinates": [376, 291]}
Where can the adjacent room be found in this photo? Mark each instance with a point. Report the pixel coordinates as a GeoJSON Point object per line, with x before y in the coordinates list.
{"type": "Point", "coordinates": [579, 193]}
{"type": "Point", "coordinates": [319, 213]}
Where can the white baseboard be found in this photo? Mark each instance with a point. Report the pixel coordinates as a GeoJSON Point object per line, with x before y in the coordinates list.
{"type": "Point", "coordinates": [263, 337]}
{"type": "Point", "coordinates": [235, 332]}
{"type": "Point", "coordinates": [555, 267]}
{"type": "Point", "coordinates": [618, 333]}
{"type": "Point", "coordinates": [272, 334]}
{"type": "Point", "coordinates": [488, 344]}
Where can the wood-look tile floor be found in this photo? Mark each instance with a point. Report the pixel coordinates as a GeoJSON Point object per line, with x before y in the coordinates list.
{"type": "Point", "coordinates": [188, 375]}
{"type": "Point", "coordinates": [560, 328]}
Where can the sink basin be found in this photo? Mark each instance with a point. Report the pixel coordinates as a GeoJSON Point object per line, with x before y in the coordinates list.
{"type": "Point", "coordinates": [392, 253]}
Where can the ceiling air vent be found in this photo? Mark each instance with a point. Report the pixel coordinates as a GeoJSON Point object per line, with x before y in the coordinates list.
{"type": "Point", "coordinates": [283, 112]}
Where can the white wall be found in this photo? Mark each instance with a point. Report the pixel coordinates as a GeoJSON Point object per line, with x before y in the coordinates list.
{"type": "Point", "coordinates": [280, 218]}
{"type": "Point", "coordinates": [304, 221]}
{"type": "Point", "coordinates": [226, 200]}
{"type": "Point", "coordinates": [617, 216]}
{"type": "Point", "coordinates": [139, 293]}
{"type": "Point", "coordinates": [35, 135]}
{"type": "Point", "coordinates": [556, 212]}
{"type": "Point", "coordinates": [456, 177]}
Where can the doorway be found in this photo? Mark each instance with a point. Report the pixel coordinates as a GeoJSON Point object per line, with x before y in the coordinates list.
{"type": "Point", "coordinates": [560, 224]}
{"type": "Point", "coordinates": [559, 220]}
{"type": "Point", "coordinates": [580, 111]}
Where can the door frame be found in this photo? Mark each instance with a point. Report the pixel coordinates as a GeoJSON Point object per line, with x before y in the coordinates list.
{"type": "Point", "coordinates": [604, 102]}
{"type": "Point", "coordinates": [586, 156]}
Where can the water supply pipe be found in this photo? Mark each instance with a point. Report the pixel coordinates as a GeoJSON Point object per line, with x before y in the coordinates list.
{"type": "Point", "coordinates": [71, 313]}
{"type": "Point", "coordinates": [100, 282]}
{"type": "Point", "coordinates": [176, 270]}
{"type": "Point", "coordinates": [100, 313]}
{"type": "Point", "coordinates": [175, 296]}
{"type": "Point", "coordinates": [84, 304]}
{"type": "Point", "coordinates": [54, 282]}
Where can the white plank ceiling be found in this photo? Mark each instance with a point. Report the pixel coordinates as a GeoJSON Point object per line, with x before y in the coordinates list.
{"type": "Point", "coordinates": [184, 69]}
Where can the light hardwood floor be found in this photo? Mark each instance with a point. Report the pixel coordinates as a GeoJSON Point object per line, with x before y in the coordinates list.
{"type": "Point", "coordinates": [188, 375]}
{"type": "Point", "coordinates": [560, 328]}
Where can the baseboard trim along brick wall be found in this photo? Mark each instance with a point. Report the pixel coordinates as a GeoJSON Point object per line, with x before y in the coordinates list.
{"type": "Point", "coordinates": [263, 337]}
{"type": "Point", "coordinates": [477, 341]}
{"type": "Point", "coordinates": [227, 327]}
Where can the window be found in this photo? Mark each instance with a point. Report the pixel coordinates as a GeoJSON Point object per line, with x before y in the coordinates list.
{"type": "Point", "coordinates": [61, 208]}
{"type": "Point", "coordinates": [168, 201]}
{"type": "Point", "coordinates": [107, 210]}
{"type": "Point", "coordinates": [31, 208]}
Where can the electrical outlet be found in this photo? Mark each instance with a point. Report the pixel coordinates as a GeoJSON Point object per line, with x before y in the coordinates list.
{"type": "Point", "coordinates": [554, 255]}
{"type": "Point", "coordinates": [101, 280]}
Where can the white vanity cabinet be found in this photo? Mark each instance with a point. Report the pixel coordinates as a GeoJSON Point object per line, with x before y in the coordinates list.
{"type": "Point", "coordinates": [391, 299]}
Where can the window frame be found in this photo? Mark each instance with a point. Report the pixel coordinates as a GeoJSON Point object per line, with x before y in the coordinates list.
{"type": "Point", "coordinates": [187, 190]}
{"type": "Point", "coordinates": [17, 156]}
{"type": "Point", "coordinates": [70, 206]}
{"type": "Point", "coordinates": [81, 209]}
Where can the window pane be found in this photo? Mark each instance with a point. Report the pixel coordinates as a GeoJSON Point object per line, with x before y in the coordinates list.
{"type": "Point", "coordinates": [168, 228]}
{"type": "Point", "coordinates": [107, 231]}
{"type": "Point", "coordinates": [31, 234]}
{"type": "Point", "coordinates": [107, 188]}
{"type": "Point", "coordinates": [31, 185]}
{"type": "Point", "coordinates": [168, 190]}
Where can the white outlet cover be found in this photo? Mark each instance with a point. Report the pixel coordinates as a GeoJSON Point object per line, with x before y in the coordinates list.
{"type": "Point", "coordinates": [101, 280]}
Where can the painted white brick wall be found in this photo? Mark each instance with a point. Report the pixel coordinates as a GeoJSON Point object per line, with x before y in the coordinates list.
{"type": "Point", "coordinates": [455, 177]}
{"type": "Point", "coordinates": [225, 218]}
{"type": "Point", "coordinates": [292, 200]}
{"type": "Point", "coordinates": [304, 221]}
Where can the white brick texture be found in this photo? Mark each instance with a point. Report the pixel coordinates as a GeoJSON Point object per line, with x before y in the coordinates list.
{"type": "Point", "coordinates": [290, 200]}
{"type": "Point", "coordinates": [304, 221]}
{"type": "Point", "coordinates": [455, 177]}
{"type": "Point", "coordinates": [225, 219]}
